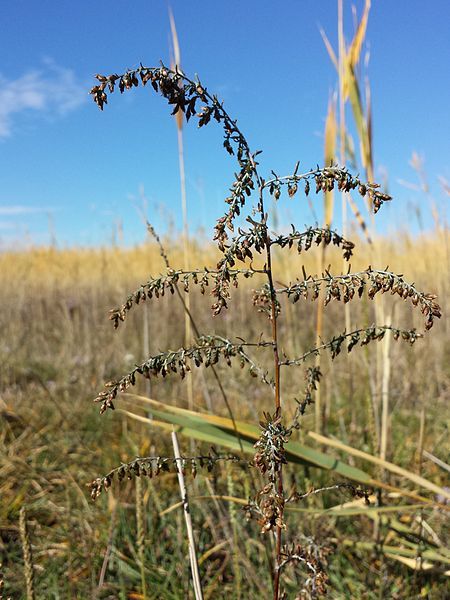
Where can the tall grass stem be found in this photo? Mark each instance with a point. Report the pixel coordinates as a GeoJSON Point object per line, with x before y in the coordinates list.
{"type": "Point", "coordinates": [187, 517]}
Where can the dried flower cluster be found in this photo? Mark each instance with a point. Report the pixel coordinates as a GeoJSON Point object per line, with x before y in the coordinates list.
{"type": "Point", "coordinates": [351, 339]}
{"type": "Point", "coordinates": [312, 379]}
{"type": "Point", "coordinates": [240, 249]}
{"type": "Point", "coordinates": [264, 300]}
{"type": "Point", "coordinates": [184, 94]}
{"type": "Point", "coordinates": [158, 286]}
{"type": "Point", "coordinates": [372, 281]}
{"type": "Point", "coordinates": [241, 188]}
{"type": "Point", "coordinates": [325, 181]}
{"type": "Point", "coordinates": [207, 351]}
{"type": "Point", "coordinates": [353, 490]}
{"type": "Point", "coordinates": [362, 336]}
{"type": "Point", "coordinates": [318, 235]}
{"type": "Point", "coordinates": [269, 509]}
{"type": "Point", "coordinates": [312, 557]}
{"type": "Point", "coordinates": [269, 460]}
{"type": "Point", "coordinates": [270, 452]}
{"type": "Point", "coordinates": [193, 100]}
{"type": "Point", "coordinates": [152, 466]}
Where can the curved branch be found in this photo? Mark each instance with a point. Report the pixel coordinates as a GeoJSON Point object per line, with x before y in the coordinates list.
{"type": "Point", "coordinates": [344, 287]}
{"type": "Point", "coordinates": [152, 466]}
{"type": "Point", "coordinates": [325, 179]}
{"type": "Point", "coordinates": [361, 336]}
{"type": "Point", "coordinates": [318, 235]}
{"type": "Point", "coordinates": [183, 94]}
{"type": "Point", "coordinates": [208, 351]}
{"type": "Point", "coordinates": [159, 285]}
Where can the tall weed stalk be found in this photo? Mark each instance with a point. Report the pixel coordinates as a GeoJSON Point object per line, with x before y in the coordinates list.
{"type": "Point", "coordinates": [246, 241]}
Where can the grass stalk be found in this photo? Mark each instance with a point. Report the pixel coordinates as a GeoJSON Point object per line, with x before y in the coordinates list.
{"type": "Point", "coordinates": [186, 255]}
{"type": "Point", "coordinates": [187, 517]}
{"type": "Point", "coordinates": [386, 376]}
{"type": "Point", "coordinates": [420, 445]}
{"type": "Point", "coordinates": [146, 347]}
{"type": "Point", "coordinates": [176, 63]}
{"type": "Point", "coordinates": [109, 546]}
{"type": "Point", "coordinates": [235, 527]}
{"type": "Point", "coordinates": [342, 57]}
{"type": "Point", "coordinates": [140, 527]}
{"type": "Point", "coordinates": [329, 158]}
{"type": "Point", "coordinates": [27, 554]}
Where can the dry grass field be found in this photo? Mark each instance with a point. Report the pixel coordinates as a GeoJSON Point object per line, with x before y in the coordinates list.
{"type": "Point", "coordinates": [57, 348]}
{"type": "Point", "coordinates": [359, 467]}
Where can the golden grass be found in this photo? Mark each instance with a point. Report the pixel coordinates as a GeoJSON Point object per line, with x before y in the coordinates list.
{"type": "Point", "coordinates": [56, 350]}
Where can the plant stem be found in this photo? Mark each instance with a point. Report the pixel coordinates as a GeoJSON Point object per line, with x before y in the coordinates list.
{"type": "Point", "coordinates": [276, 359]}
{"type": "Point", "coordinates": [273, 318]}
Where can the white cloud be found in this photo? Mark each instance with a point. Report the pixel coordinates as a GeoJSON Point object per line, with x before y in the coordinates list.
{"type": "Point", "coordinates": [7, 225]}
{"type": "Point", "coordinates": [50, 90]}
{"type": "Point", "coordinates": [8, 211]}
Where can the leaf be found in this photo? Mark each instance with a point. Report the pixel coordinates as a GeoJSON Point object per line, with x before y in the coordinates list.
{"type": "Point", "coordinates": [407, 556]}
{"type": "Point", "coordinates": [317, 512]}
{"type": "Point", "coordinates": [219, 430]}
{"type": "Point", "coordinates": [416, 479]}
{"type": "Point", "coordinates": [369, 125]}
{"type": "Point", "coordinates": [412, 563]}
{"type": "Point", "coordinates": [356, 511]}
{"type": "Point", "coordinates": [211, 551]}
{"type": "Point", "coordinates": [192, 428]}
{"type": "Point", "coordinates": [354, 51]}
{"type": "Point", "coordinates": [358, 113]}
{"type": "Point", "coordinates": [329, 48]}
{"type": "Point", "coordinates": [404, 555]}
{"type": "Point", "coordinates": [350, 150]}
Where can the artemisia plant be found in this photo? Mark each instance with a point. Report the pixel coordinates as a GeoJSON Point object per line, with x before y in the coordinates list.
{"type": "Point", "coordinates": [238, 247]}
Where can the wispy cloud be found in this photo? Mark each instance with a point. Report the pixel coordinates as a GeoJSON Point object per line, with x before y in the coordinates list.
{"type": "Point", "coordinates": [7, 225]}
{"type": "Point", "coordinates": [9, 211]}
{"type": "Point", "coordinates": [49, 90]}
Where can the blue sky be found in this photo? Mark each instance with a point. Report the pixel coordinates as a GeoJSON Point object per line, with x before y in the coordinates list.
{"type": "Point", "coordinates": [70, 169]}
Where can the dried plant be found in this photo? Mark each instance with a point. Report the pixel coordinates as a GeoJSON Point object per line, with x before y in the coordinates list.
{"type": "Point", "coordinates": [253, 246]}
{"type": "Point", "coordinates": [152, 466]}
{"type": "Point", "coordinates": [27, 554]}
